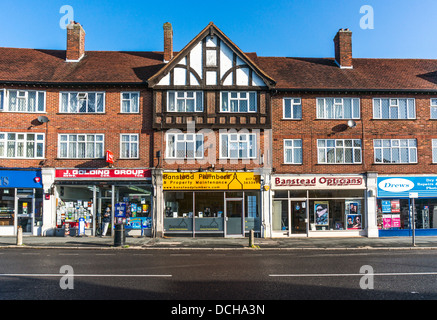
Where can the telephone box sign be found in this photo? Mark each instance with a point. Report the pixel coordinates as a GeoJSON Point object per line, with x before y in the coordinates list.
{"type": "Point", "coordinates": [103, 173]}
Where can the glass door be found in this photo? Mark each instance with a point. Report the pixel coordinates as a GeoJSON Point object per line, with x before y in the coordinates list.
{"type": "Point", "coordinates": [298, 217]}
{"type": "Point", "coordinates": [234, 218]}
{"type": "Point", "coordinates": [25, 213]}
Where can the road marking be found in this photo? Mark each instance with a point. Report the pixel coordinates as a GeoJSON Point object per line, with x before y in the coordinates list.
{"type": "Point", "coordinates": [355, 274]}
{"type": "Point", "coordinates": [84, 275]}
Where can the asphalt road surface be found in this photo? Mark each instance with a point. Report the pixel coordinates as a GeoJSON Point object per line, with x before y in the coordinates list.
{"type": "Point", "coordinates": [218, 275]}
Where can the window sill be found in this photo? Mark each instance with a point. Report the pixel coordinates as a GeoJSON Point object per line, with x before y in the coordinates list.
{"type": "Point", "coordinates": [391, 164]}
{"type": "Point", "coordinates": [290, 119]}
{"type": "Point", "coordinates": [81, 113]}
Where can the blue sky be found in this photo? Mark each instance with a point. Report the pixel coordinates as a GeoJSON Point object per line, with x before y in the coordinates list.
{"type": "Point", "coordinates": [296, 28]}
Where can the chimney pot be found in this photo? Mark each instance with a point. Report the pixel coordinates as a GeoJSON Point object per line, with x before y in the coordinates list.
{"type": "Point", "coordinates": [168, 42]}
{"type": "Point", "coordinates": [343, 48]}
{"type": "Point", "coordinates": [75, 42]}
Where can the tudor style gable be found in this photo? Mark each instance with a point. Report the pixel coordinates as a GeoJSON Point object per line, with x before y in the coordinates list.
{"type": "Point", "coordinates": [213, 83]}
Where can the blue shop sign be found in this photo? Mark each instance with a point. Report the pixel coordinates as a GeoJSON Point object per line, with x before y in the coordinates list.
{"type": "Point", "coordinates": [400, 187]}
{"type": "Point", "coordinates": [20, 179]}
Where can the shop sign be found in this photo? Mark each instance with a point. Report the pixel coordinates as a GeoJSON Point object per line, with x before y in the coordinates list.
{"type": "Point", "coordinates": [318, 182]}
{"type": "Point", "coordinates": [20, 179]}
{"type": "Point", "coordinates": [109, 156]}
{"type": "Point", "coordinates": [103, 173]}
{"type": "Point", "coordinates": [402, 187]}
{"type": "Point", "coordinates": [211, 181]}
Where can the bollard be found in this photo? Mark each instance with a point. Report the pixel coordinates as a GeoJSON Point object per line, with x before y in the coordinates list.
{"type": "Point", "coordinates": [251, 238]}
{"type": "Point", "coordinates": [19, 236]}
{"type": "Point", "coordinates": [119, 236]}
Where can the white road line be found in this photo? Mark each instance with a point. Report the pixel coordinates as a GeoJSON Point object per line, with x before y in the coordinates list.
{"type": "Point", "coordinates": [355, 274]}
{"type": "Point", "coordinates": [84, 275]}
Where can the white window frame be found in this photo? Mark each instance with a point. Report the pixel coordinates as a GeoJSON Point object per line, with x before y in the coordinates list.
{"type": "Point", "coordinates": [293, 147]}
{"type": "Point", "coordinates": [338, 108]}
{"type": "Point", "coordinates": [130, 143]}
{"type": "Point", "coordinates": [39, 140]}
{"type": "Point", "coordinates": [394, 146]}
{"type": "Point", "coordinates": [339, 148]}
{"type": "Point", "coordinates": [433, 106]}
{"type": "Point", "coordinates": [68, 143]}
{"type": "Point", "coordinates": [132, 108]}
{"type": "Point", "coordinates": [81, 95]}
{"type": "Point", "coordinates": [172, 152]}
{"type": "Point", "coordinates": [434, 150]}
{"type": "Point", "coordinates": [183, 97]}
{"type": "Point", "coordinates": [2, 99]}
{"type": "Point", "coordinates": [294, 102]}
{"type": "Point", "coordinates": [239, 139]}
{"type": "Point", "coordinates": [23, 94]}
{"type": "Point", "coordinates": [393, 104]}
{"type": "Point", "coordinates": [237, 97]}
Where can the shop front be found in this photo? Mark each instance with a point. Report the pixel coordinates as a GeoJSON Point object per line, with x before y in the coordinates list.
{"type": "Point", "coordinates": [395, 198]}
{"type": "Point", "coordinates": [318, 205]}
{"type": "Point", "coordinates": [224, 204]}
{"type": "Point", "coordinates": [83, 195]}
{"type": "Point", "coordinates": [21, 201]}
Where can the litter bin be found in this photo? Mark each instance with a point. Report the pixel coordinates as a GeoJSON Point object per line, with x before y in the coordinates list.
{"type": "Point", "coordinates": [120, 235]}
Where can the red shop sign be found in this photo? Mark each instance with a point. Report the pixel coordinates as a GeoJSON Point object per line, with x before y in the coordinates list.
{"type": "Point", "coordinates": [109, 156]}
{"type": "Point", "coordinates": [103, 173]}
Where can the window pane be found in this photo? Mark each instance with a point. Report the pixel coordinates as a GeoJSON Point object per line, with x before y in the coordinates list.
{"type": "Point", "coordinates": [100, 102]}
{"type": "Point", "coordinates": [91, 102]}
{"type": "Point", "coordinates": [225, 102]}
{"type": "Point", "coordinates": [287, 108]}
{"type": "Point", "coordinates": [171, 101]}
{"type": "Point", "coordinates": [199, 101]}
{"type": "Point", "coordinates": [252, 101]}
{"type": "Point", "coordinates": [297, 155]}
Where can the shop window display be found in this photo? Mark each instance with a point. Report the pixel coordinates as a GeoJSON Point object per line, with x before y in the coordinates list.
{"type": "Point", "coordinates": [396, 214]}
{"type": "Point", "coordinates": [7, 197]}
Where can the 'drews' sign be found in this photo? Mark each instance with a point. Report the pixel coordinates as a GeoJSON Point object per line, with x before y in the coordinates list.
{"type": "Point", "coordinates": [400, 187]}
{"type": "Point", "coordinates": [318, 182]}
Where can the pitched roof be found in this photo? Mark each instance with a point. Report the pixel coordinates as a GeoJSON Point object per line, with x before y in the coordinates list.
{"type": "Point", "coordinates": [367, 74]}
{"type": "Point", "coordinates": [211, 28]}
{"type": "Point", "coordinates": [49, 66]}
{"type": "Point", "coordinates": [122, 67]}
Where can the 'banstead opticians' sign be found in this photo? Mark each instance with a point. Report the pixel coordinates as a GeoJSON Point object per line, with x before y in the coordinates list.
{"type": "Point", "coordinates": [318, 182]}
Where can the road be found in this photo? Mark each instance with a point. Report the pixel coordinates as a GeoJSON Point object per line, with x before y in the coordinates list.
{"type": "Point", "coordinates": [249, 275]}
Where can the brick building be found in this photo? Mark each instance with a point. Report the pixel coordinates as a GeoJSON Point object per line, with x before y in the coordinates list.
{"type": "Point", "coordinates": [211, 140]}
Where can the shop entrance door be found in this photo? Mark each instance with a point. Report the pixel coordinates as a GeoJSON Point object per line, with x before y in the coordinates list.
{"type": "Point", "coordinates": [234, 217]}
{"type": "Point", "coordinates": [25, 213]}
{"type": "Point", "coordinates": [298, 217]}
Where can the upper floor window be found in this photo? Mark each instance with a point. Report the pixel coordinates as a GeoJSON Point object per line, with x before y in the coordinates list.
{"type": "Point", "coordinates": [338, 108]}
{"type": "Point", "coordinates": [21, 145]}
{"type": "Point", "coordinates": [238, 101]}
{"type": "Point", "coordinates": [238, 145]}
{"type": "Point", "coordinates": [82, 102]}
{"type": "Point", "coordinates": [433, 108]}
{"type": "Point", "coordinates": [129, 146]}
{"type": "Point", "coordinates": [292, 108]}
{"type": "Point", "coordinates": [339, 150]}
{"type": "Point", "coordinates": [22, 100]}
{"type": "Point", "coordinates": [185, 101]}
{"type": "Point", "coordinates": [184, 145]}
{"type": "Point", "coordinates": [81, 146]}
{"type": "Point", "coordinates": [293, 151]}
{"type": "Point", "coordinates": [388, 108]}
{"type": "Point", "coordinates": [130, 102]}
{"type": "Point", "coordinates": [395, 150]}
{"type": "Point", "coordinates": [434, 150]}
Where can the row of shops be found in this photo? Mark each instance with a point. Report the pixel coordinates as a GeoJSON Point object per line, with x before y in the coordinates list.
{"type": "Point", "coordinates": [58, 202]}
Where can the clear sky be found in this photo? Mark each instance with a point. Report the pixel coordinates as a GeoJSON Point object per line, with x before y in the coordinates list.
{"type": "Point", "coordinates": [295, 28]}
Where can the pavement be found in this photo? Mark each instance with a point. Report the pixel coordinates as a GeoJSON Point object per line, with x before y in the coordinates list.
{"type": "Point", "coordinates": [218, 243]}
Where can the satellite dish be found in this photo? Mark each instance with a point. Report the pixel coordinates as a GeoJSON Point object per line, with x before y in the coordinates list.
{"type": "Point", "coordinates": [43, 119]}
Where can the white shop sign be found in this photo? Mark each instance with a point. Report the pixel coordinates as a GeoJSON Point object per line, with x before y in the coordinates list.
{"type": "Point", "coordinates": [318, 182]}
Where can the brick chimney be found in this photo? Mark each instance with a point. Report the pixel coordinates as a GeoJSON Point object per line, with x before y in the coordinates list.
{"type": "Point", "coordinates": [75, 42]}
{"type": "Point", "coordinates": [343, 48]}
{"type": "Point", "coordinates": [168, 42]}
